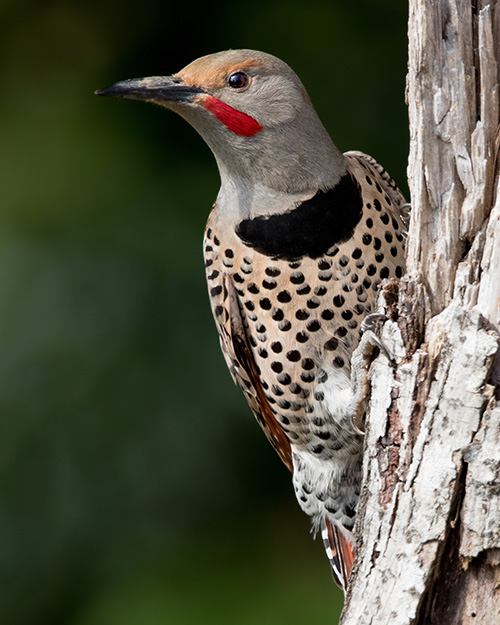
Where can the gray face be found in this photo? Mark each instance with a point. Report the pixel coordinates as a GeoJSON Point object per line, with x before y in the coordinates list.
{"type": "Point", "coordinates": [254, 113]}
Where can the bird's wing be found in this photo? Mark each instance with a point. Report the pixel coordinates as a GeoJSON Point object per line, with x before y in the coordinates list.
{"type": "Point", "coordinates": [241, 363]}
{"type": "Point", "coordinates": [390, 186]}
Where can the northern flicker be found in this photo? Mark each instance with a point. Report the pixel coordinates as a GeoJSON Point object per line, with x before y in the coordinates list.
{"type": "Point", "coordinates": [296, 245]}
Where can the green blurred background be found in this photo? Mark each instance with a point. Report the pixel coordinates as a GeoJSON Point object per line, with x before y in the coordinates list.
{"type": "Point", "coordinates": [135, 487]}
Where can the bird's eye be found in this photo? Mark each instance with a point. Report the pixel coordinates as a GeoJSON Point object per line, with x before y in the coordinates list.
{"type": "Point", "coordinates": [238, 80]}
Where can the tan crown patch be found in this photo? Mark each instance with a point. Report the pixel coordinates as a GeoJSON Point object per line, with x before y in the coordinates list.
{"type": "Point", "coordinates": [204, 73]}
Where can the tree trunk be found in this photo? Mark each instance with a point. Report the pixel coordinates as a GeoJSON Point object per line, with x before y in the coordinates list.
{"type": "Point", "coordinates": [429, 516]}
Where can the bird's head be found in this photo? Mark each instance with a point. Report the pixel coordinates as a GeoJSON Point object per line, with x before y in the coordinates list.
{"type": "Point", "coordinates": [251, 109]}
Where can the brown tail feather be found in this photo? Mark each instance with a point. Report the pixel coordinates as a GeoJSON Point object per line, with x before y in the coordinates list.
{"type": "Point", "coordinates": [340, 552]}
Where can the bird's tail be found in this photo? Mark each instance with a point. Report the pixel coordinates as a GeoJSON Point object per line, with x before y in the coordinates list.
{"type": "Point", "coordinates": [340, 552]}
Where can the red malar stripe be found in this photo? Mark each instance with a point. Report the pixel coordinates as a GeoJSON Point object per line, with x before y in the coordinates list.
{"type": "Point", "coordinates": [238, 122]}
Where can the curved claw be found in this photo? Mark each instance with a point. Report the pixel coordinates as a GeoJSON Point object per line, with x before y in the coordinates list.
{"type": "Point", "coordinates": [370, 320]}
{"type": "Point", "coordinates": [405, 211]}
{"type": "Point", "coordinates": [356, 423]}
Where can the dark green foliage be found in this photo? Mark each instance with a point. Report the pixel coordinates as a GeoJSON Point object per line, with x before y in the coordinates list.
{"type": "Point", "coordinates": [134, 485]}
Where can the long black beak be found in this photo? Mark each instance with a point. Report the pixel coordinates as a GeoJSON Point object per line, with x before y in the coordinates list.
{"type": "Point", "coordinates": [154, 89]}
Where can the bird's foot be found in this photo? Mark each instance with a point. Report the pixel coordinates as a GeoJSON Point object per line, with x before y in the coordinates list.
{"type": "Point", "coordinates": [360, 364]}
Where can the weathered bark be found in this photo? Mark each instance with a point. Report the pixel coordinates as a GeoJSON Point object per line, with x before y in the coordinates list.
{"type": "Point", "coordinates": [429, 516]}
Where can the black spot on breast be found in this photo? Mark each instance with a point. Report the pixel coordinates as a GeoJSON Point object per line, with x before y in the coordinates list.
{"type": "Point", "coordinates": [297, 277]}
{"type": "Point", "coordinates": [323, 377]}
{"type": "Point", "coordinates": [293, 355]}
{"type": "Point", "coordinates": [284, 403]}
{"type": "Point", "coordinates": [278, 314]}
{"type": "Point", "coordinates": [284, 379]}
{"type": "Point", "coordinates": [323, 435]}
{"type": "Point", "coordinates": [284, 297]}
{"type": "Point", "coordinates": [313, 326]}
{"type": "Point", "coordinates": [302, 337]}
{"type": "Point", "coordinates": [308, 364]}
{"type": "Point", "coordinates": [311, 229]}
{"type": "Point", "coordinates": [331, 345]}
{"type": "Point", "coordinates": [272, 272]}
{"type": "Point", "coordinates": [215, 274]}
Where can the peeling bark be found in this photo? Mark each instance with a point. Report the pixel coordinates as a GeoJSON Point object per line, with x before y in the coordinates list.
{"type": "Point", "coordinates": [428, 522]}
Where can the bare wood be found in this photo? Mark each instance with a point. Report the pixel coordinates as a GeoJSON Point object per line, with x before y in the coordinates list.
{"type": "Point", "coordinates": [429, 516]}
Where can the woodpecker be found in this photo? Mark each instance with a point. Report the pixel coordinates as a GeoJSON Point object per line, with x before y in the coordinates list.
{"type": "Point", "coordinates": [296, 245]}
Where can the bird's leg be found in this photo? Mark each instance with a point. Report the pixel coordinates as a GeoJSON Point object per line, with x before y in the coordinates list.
{"type": "Point", "coordinates": [360, 364]}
